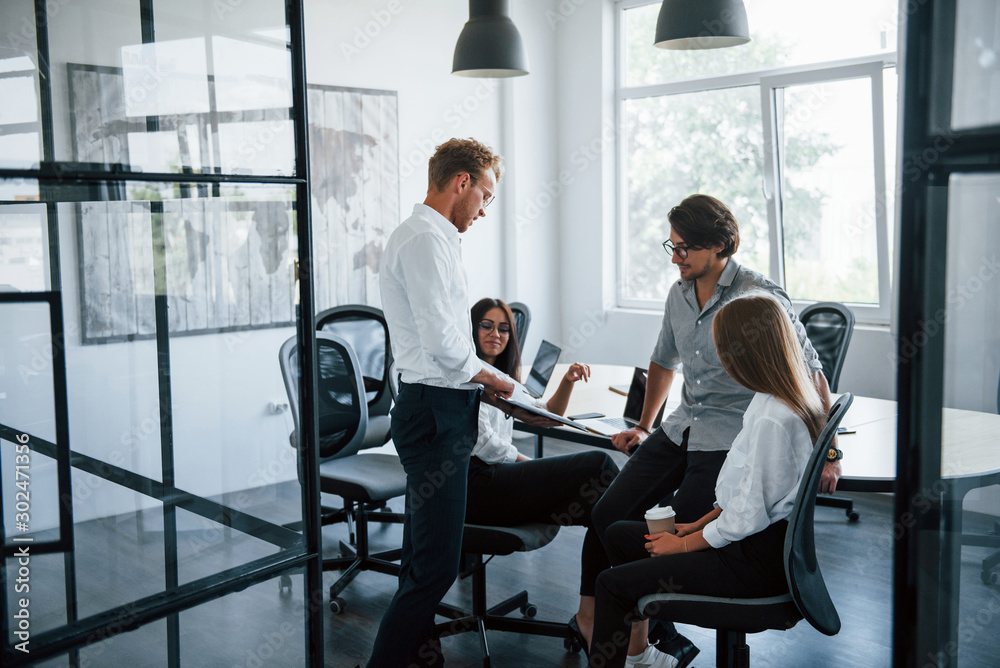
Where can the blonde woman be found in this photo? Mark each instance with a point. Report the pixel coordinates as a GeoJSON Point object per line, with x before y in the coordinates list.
{"type": "Point", "coordinates": [735, 549]}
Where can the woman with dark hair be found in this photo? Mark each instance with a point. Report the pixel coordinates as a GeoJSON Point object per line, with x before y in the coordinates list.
{"type": "Point", "coordinates": [735, 549]}
{"type": "Point", "coordinates": [508, 488]}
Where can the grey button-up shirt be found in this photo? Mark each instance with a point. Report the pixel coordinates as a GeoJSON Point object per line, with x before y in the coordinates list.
{"type": "Point", "coordinates": [712, 403]}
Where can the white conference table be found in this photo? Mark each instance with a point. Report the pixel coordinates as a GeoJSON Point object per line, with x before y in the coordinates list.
{"type": "Point", "coordinates": [970, 448]}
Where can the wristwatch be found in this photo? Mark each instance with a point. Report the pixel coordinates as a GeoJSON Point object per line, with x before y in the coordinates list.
{"type": "Point", "coordinates": [834, 454]}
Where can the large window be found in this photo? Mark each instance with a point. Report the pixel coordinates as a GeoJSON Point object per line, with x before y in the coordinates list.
{"type": "Point", "coordinates": [794, 131]}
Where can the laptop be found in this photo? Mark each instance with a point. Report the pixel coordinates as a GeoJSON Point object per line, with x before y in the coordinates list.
{"type": "Point", "coordinates": [609, 426]}
{"type": "Point", "coordinates": [541, 369]}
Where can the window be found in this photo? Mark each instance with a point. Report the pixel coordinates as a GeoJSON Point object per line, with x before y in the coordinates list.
{"type": "Point", "coordinates": [794, 131]}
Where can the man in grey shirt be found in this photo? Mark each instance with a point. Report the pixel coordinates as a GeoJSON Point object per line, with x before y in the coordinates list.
{"type": "Point", "coordinates": [684, 455]}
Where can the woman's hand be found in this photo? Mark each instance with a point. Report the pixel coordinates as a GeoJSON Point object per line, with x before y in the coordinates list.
{"type": "Point", "coordinates": [687, 529]}
{"type": "Point", "coordinates": [661, 544]}
{"type": "Point", "coordinates": [577, 372]}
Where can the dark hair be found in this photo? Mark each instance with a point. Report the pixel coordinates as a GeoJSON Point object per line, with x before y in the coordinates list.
{"type": "Point", "coordinates": [457, 156]}
{"type": "Point", "coordinates": [509, 361]}
{"type": "Point", "coordinates": [704, 222]}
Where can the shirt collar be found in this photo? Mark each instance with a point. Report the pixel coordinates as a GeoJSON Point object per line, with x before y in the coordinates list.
{"type": "Point", "coordinates": [437, 219]}
{"type": "Point", "coordinates": [729, 273]}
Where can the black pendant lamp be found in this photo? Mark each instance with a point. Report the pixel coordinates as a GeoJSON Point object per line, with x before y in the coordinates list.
{"type": "Point", "coordinates": [701, 24]}
{"type": "Point", "coordinates": [490, 45]}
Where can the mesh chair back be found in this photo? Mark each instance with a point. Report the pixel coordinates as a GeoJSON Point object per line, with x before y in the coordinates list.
{"type": "Point", "coordinates": [365, 330]}
{"type": "Point", "coordinates": [805, 582]}
{"type": "Point", "coordinates": [829, 326]}
{"type": "Point", "coordinates": [341, 410]}
{"type": "Point", "coordinates": [522, 319]}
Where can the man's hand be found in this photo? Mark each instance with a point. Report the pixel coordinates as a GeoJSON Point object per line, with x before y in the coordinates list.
{"type": "Point", "coordinates": [494, 385]}
{"type": "Point", "coordinates": [831, 474]}
{"type": "Point", "coordinates": [628, 440]}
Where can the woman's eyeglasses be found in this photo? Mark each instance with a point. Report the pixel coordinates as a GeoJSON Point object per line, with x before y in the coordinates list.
{"type": "Point", "coordinates": [503, 329]}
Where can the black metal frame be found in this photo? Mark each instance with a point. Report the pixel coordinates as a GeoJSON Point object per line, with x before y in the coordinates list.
{"type": "Point", "coordinates": [926, 570]}
{"type": "Point", "coordinates": [52, 176]}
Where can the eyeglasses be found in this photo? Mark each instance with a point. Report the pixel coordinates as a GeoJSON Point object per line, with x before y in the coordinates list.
{"type": "Point", "coordinates": [489, 195]}
{"type": "Point", "coordinates": [503, 329]}
{"type": "Point", "coordinates": [682, 251]}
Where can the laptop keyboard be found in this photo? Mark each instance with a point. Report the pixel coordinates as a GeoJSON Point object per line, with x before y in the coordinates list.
{"type": "Point", "coordinates": [617, 423]}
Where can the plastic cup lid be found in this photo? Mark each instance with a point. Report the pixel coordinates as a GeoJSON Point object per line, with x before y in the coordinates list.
{"type": "Point", "coordinates": [657, 513]}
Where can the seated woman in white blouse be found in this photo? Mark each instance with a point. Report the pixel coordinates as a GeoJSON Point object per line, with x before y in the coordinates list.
{"type": "Point", "coordinates": [508, 488]}
{"type": "Point", "coordinates": [735, 550]}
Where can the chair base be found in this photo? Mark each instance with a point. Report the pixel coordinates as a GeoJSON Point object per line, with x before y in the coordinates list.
{"type": "Point", "coordinates": [845, 504]}
{"type": "Point", "coordinates": [356, 558]}
{"type": "Point", "coordinates": [731, 649]}
{"type": "Point", "coordinates": [482, 619]}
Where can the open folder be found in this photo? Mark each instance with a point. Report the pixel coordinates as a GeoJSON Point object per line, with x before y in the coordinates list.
{"type": "Point", "coordinates": [522, 399]}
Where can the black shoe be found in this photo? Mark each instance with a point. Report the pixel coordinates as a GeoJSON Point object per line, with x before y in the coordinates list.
{"type": "Point", "coordinates": [680, 648]}
{"type": "Point", "coordinates": [577, 635]}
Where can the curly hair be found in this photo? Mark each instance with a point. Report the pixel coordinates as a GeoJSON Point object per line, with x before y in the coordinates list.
{"type": "Point", "coordinates": [457, 156]}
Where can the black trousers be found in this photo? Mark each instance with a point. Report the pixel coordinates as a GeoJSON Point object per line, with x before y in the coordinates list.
{"type": "Point", "coordinates": [434, 430]}
{"type": "Point", "coordinates": [657, 469]}
{"type": "Point", "coordinates": [559, 490]}
{"type": "Point", "coordinates": [748, 568]}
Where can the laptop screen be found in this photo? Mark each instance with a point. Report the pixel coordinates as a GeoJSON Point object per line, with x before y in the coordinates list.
{"type": "Point", "coordinates": [541, 368]}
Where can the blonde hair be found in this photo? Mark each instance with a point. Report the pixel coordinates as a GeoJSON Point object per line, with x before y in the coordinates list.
{"type": "Point", "coordinates": [758, 347]}
{"type": "Point", "coordinates": [457, 156]}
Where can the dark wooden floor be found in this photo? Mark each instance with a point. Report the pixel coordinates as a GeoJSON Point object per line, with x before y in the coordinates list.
{"type": "Point", "coordinates": [260, 628]}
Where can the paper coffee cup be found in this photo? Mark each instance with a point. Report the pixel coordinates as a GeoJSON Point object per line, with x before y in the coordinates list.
{"type": "Point", "coordinates": [659, 520]}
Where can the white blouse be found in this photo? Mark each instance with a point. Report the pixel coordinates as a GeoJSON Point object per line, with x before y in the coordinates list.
{"type": "Point", "coordinates": [762, 472]}
{"type": "Point", "coordinates": [496, 431]}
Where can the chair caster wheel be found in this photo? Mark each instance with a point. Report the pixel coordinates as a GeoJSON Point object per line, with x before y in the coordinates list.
{"type": "Point", "coordinates": [529, 610]}
{"type": "Point", "coordinates": [285, 584]}
{"type": "Point", "coordinates": [853, 516]}
{"type": "Point", "coordinates": [572, 645]}
{"type": "Point", "coordinates": [990, 577]}
{"type": "Point", "coordinates": [337, 605]}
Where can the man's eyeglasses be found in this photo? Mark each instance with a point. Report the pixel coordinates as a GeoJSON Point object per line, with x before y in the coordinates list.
{"type": "Point", "coordinates": [489, 195]}
{"type": "Point", "coordinates": [503, 329]}
{"type": "Point", "coordinates": [682, 251]}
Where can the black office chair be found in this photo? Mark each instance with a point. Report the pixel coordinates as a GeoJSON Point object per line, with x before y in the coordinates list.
{"type": "Point", "coordinates": [479, 540]}
{"type": "Point", "coordinates": [829, 326]}
{"type": "Point", "coordinates": [522, 320]}
{"type": "Point", "coordinates": [807, 598]}
{"type": "Point", "coordinates": [365, 330]}
{"type": "Point", "coordinates": [361, 480]}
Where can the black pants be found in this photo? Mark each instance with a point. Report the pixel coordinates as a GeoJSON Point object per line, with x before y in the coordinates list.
{"type": "Point", "coordinates": [434, 430]}
{"type": "Point", "coordinates": [748, 568]}
{"type": "Point", "coordinates": [656, 470]}
{"type": "Point", "coordinates": [559, 490]}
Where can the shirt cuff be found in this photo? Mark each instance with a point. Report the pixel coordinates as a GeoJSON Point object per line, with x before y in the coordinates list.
{"type": "Point", "coordinates": [512, 454]}
{"type": "Point", "coordinates": [712, 536]}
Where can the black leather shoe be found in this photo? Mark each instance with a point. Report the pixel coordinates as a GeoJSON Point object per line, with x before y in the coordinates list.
{"type": "Point", "coordinates": [577, 635]}
{"type": "Point", "coordinates": [680, 648]}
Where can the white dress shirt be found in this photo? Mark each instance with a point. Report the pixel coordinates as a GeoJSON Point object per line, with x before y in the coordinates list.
{"type": "Point", "coordinates": [762, 472]}
{"type": "Point", "coordinates": [425, 298]}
